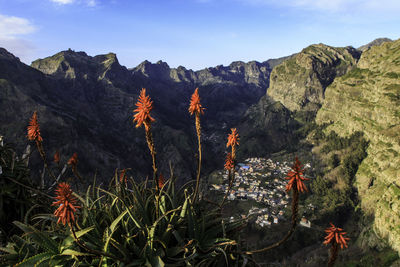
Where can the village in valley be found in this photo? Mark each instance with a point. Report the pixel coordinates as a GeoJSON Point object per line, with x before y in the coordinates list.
{"type": "Point", "coordinates": [263, 181]}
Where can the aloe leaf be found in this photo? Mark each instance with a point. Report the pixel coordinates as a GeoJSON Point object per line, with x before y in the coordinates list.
{"type": "Point", "coordinates": [39, 237]}
{"type": "Point", "coordinates": [69, 240]}
{"type": "Point", "coordinates": [32, 261]}
{"type": "Point", "coordinates": [157, 262]}
{"type": "Point", "coordinates": [109, 231]}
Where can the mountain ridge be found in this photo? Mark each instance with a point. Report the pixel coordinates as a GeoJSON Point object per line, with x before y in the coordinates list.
{"type": "Point", "coordinates": [85, 105]}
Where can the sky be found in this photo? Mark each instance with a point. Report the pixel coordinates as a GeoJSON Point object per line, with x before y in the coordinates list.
{"type": "Point", "coordinates": [192, 33]}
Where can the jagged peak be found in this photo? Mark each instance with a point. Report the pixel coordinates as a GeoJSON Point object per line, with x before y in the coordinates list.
{"type": "Point", "coordinates": [4, 54]}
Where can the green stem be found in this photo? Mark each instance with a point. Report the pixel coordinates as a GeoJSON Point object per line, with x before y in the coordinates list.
{"type": "Point", "coordinates": [28, 187]}
{"type": "Point", "coordinates": [150, 144]}
{"type": "Point", "coordinates": [334, 252]}
{"type": "Point", "coordinates": [198, 130]}
{"type": "Point", "coordinates": [39, 146]}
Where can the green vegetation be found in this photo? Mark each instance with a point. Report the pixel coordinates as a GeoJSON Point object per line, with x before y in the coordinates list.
{"type": "Point", "coordinates": [392, 75]}
{"type": "Point", "coordinates": [335, 142]}
{"type": "Point", "coordinates": [357, 73]}
{"type": "Point", "coordinates": [128, 223]}
{"type": "Point", "coordinates": [18, 195]}
{"type": "Point", "coordinates": [326, 194]}
{"type": "Point", "coordinates": [384, 258]}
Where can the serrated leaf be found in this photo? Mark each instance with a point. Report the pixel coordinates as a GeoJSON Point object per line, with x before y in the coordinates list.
{"type": "Point", "coordinates": [29, 262]}
{"type": "Point", "coordinates": [39, 237]}
{"type": "Point", "coordinates": [8, 250]}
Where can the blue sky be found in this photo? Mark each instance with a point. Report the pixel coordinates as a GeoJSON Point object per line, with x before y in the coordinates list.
{"type": "Point", "coordinates": [192, 33]}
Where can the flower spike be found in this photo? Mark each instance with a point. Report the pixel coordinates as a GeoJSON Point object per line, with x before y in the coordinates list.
{"type": "Point", "coordinates": [296, 178]}
{"type": "Point", "coordinates": [57, 157]}
{"type": "Point", "coordinates": [33, 129]}
{"type": "Point", "coordinates": [144, 106]}
{"type": "Point", "coordinates": [73, 160]}
{"type": "Point", "coordinates": [195, 106]}
{"type": "Point", "coordinates": [66, 202]}
{"type": "Point", "coordinates": [229, 164]}
{"type": "Point", "coordinates": [335, 235]}
{"type": "Point", "coordinates": [161, 181]}
{"type": "Point", "coordinates": [233, 138]}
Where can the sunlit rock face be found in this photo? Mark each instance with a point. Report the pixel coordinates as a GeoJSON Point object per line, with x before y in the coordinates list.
{"type": "Point", "coordinates": [367, 99]}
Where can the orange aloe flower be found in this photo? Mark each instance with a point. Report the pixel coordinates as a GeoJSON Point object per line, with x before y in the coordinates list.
{"type": "Point", "coordinates": [73, 160]}
{"type": "Point", "coordinates": [296, 177]}
{"type": "Point", "coordinates": [335, 235]}
{"type": "Point", "coordinates": [233, 138]}
{"type": "Point", "coordinates": [122, 176]}
{"type": "Point", "coordinates": [57, 157]}
{"type": "Point", "coordinates": [33, 129]}
{"type": "Point", "coordinates": [161, 181]}
{"type": "Point", "coordinates": [66, 202]}
{"type": "Point", "coordinates": [144, 106]}
{"type": "Point", "coordinates": [229, 164]}
{"type": "Point", "coordinates": [195, 106]}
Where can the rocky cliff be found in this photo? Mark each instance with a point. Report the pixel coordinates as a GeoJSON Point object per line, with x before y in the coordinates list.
{"type": "Point", "coordinates": [300, 82]}
{"type": "Point", "coordinates": [367, 99]}
{"type": "Point", "coordinates": [296, 91]}
{"type": "Point", "coordinates": [85, 105]}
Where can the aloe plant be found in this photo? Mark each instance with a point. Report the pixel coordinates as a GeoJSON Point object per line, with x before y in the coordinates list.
{"type": "Point", "coordinates": [19, 197]}
{"type": "Point", "coordinates": [120, 226]}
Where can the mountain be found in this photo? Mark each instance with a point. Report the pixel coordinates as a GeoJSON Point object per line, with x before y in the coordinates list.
{"type": "Point", "coordinates": [296, 92]}
{"type": "Point", "coordinates": [85, 105]}
{"type": "Point", "coordinates": [375, 42]}
{"type": "Point", "coordinates": [367, 99]}
{"type": "Point", "coordinates": [350, 91]}
{"type": "Point", "coordinates": [300, 82]}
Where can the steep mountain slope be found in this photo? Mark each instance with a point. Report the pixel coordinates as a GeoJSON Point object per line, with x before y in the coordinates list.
{"type": "Point", "coordinates": [300, 82]}
{"type": "Point", "coordinates": [367, 99]}
{"type": "Point", "coordinates": [85, 105]}
{"type": "Point", "coordinates": [296, 91]}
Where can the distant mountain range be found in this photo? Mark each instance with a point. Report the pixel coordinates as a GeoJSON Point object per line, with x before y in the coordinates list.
{"type": "Point", "coordinates": [85, 105]}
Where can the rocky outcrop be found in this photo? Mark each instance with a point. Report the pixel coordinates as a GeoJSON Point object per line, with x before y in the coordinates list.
{"type": "Point", "coordinates": [297, 85]}
{"type": "Point", "coordinates": [299, 82]}
{"type": "Point", "coordinates": [367, 99]}
{"type": "Point", "coordinates": [375, 42]}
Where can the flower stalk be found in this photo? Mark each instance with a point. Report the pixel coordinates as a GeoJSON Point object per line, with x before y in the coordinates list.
{"type": "Point", "coordinates": [142, 116]}
{"type": "Point", "coordinates": [233, 141]}
{"type": "Point", "coordinates": [34, 135]}
{"type": "Point", "coordinates": [197, 109]}
{"type": "Point", "coordinates": [73, 162]}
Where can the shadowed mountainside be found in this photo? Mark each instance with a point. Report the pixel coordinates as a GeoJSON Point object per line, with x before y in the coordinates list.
{"type": "Point", "coordinates": [85, 105]}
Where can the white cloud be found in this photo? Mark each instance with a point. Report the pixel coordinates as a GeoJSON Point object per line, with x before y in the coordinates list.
{"type": "Point", "coordinates": [13, 26]}
{"type": "Point", "coordinates": [63, 2]}
{"type": "Point", "coordinates": [11, 30]}
{"type": "Point", "coordinates": [332, 5]}
{"type": "Point", "coordinates": [91, 3]}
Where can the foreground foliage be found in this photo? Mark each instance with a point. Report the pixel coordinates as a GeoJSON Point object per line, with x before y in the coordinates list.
{"type": "Point", "coordinates": [150, 223]}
